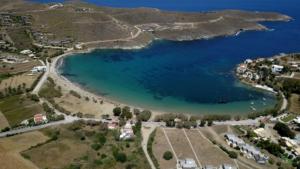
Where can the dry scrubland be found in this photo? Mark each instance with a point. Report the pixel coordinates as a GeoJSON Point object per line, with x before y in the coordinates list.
{"type": "Point", "coordinates": [18, 67]}
{"type": "Point", "coordinates": [18, 80]}
{"type": "Point", "coordinates": [294, 104]}
{"type": "Point", "coordinates": [11, 147]}
{"type": "Point", "coordinates": [85, 146]}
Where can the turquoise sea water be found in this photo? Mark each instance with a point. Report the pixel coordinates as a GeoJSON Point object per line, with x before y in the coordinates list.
{"type": "Point", "coordinates": [193, 76]}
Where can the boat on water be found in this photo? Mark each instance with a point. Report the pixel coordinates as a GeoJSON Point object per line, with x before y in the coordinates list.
{"type": "Point", "coordinates": [253, 108]}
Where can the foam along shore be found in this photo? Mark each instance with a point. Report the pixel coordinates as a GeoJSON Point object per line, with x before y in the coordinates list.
{"type": "Point", "coordinates": [267, 88]}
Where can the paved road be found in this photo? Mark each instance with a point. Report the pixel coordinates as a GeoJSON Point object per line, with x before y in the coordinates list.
{"type": "Point", "coordinates": [28, 129]}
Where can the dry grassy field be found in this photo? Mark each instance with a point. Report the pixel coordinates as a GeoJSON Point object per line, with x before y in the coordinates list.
{"type": "Point", "coordinates": [11, 147]}
{"type": "Point", "coordinates": [208, 153]}
{"type": "Point", "coordinates": [75, 146]}
{"type": "Point", "coordinates": [18, 67]}
{"type": "Point", "coordinates": [160, 146]}
{"type": "Point", "coordinates": [294, 104]}
{"type": "Point", "coordinates": [180, 143]}
{"type": "Point", "coordinates": [18, 80]}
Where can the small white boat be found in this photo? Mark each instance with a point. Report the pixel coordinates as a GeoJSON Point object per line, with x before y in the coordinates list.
{"type": "Point", "coordinates": [252, 103]}
{"type": "Point", "coordinates": [253, 108]}
{"type": "Point", "coordinates": [264, 99]}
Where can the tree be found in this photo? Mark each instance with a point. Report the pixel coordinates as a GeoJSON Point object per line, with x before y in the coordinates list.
{"type": "Point", "coordinates": [202, 123]}
{"type": "Point", "coordinates": [117, 111]}
{"type": "Point", "coordinates": [126, 113]}
{"type": "Point", "coordinates": [283, 130]}
{"type": "Point", "coordinates": [144, 115]}
{"type": "Point", "coordinates": [121, 157]}
{"type": "Point", "coordinates": [168, 155]}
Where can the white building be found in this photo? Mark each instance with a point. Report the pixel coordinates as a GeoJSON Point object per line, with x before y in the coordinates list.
{"type": "Point", "coordinates": [187, 163]}
{"type": "Point", "coordinates": [297, 120]}
{"type": "Point", "coordinates": [127, 132]}
{"type": "Point", "coordinates": [37, 69]}
{"type": "Point", "coordinates": [248, 150]}
{"type": "Point", "coordinates": [26, 52]}
{"type": "Point", "coordinates": [247, 61]}
{"type": "Point", "coordinates": [277, 68]}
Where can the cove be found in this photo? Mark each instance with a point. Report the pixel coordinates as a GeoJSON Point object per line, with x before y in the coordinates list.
{"type": "Point", "coordinates": [196, 76]}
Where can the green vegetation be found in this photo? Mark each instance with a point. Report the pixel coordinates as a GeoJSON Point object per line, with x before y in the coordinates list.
{"type": "Point", "coordinates": [168, 155]}
{"type": "Point", "coordinates": [149, 149]}
{"type": "Point", "coordinates": [144, 115]}
{"type": "Point", "coordinates": [288, 118]}
{"type": "Point", "coordinates": [283, 130]}
{"type": "Point", "coordinates": [117, 111]}
{"type": "Point", "coordinates": [75, 94]}
{"type": "Point", "coordinates": [18, 108]}
{"type": "Point", "coordinates": [290, 86]}
{"type": "Point", "coordinates": [272, 148]}
{"type": "Point", "coordinates": [231, 154]}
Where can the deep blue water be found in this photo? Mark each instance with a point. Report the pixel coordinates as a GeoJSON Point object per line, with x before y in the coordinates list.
{"type": "Point", "coordinates": [187, 76]}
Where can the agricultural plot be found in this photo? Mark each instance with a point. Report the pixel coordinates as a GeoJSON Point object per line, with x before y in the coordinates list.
{"type": "Point", "coordinates": [159, 147]}
{"type": "Point", "coordinates": [11, 147]}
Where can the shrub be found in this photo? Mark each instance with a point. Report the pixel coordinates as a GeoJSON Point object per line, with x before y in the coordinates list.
{"type": "Point", "coordinates": [121, 157]}
{"type": "Point", "coordinates": [75, 94]}
{"type": "Point", "coordinates": [96, 146]}
{"type": "Point", "coordinates": [283, 130]}
{"type": "Point", "coordinates": [144, 115]}
{"type": "Point", "coordinates": [117, 111]}
{"type": "Point", "coordinates": [168, 155]}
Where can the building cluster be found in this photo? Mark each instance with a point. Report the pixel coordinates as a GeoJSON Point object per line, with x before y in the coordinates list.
{"type": "Point", "coordinates": [248, 150]}
{"type": "Point", "coordinates": [28, 53]}
{"type": "Point", "coordinates": [190, 163]}
{"type": "Point", "coordinates": [9, 20]}
{"type": "Point", "coordinates": [38, 119]}
{"type": "Point", "coordinates": [48, 39]}
{"type": "Point", "coordinates": [244, 71]}
{"type": "Point", "coordinates": [38, 69]}
{"type": "Point", "coordinates": [83, 10]}
{"type": "Point", "coordinates": [5, 42]}
{"type": "Point", "coordinates": [12, 59]}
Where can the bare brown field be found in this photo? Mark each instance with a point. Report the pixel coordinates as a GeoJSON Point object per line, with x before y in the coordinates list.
{"type": "Point", "coordinates": [57, 154]}
{"type": "Point", "coordinates": [180, 143]}
{"type": "Point", "coordinates": [160, 146]}
{"type": "Point", "coordinates": [294, 104]}
{"type": "Point", "coordinates": [220, 129]}
{"type": "Point", "coordinates": [207, 152]}
{"type": "Point", "coordinates": [3, 121]}
{"type": "Point", "coordinates": [11, 147]}
{"type": "Point", "coordinates": [297, 75]}
{"type": "Point", "coordinates": [18, 80]}
{"type": "Point", "coordinates": [18, 67]}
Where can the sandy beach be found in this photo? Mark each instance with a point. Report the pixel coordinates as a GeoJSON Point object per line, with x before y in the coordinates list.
{"type": "Point", "coordinates": [97, 105]}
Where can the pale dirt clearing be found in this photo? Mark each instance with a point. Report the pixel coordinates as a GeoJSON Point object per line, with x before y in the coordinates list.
{"type": "Point", "coordinates": [91, 107]}
{"type": "Point", "coordinates": [11, 147]}
{"type": "Point", "coordinates": [207, 152]}
{"type": "Point", "coordinates": [180, 143]}
{"type": "Point", "coordinates": [160, 146]}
